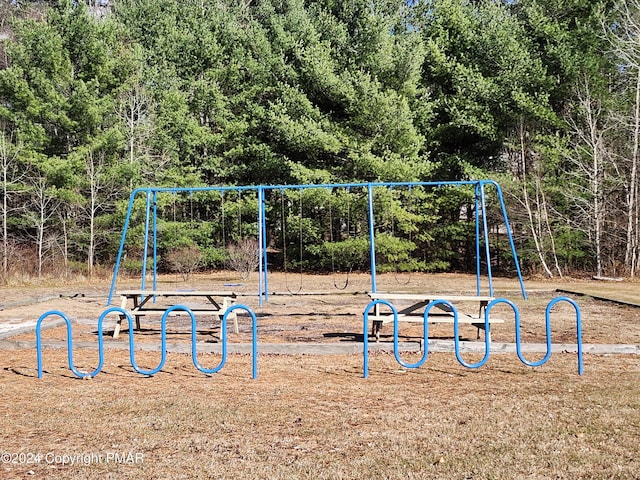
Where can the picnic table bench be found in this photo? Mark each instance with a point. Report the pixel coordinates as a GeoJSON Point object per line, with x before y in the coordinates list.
{"type": "Point", "coordinates": [136, 302]}
{"type": "Point", "coordinates": [441, 313]}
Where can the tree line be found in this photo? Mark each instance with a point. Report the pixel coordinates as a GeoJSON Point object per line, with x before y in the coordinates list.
{"type": "Point", "coordinates": [98, 98]}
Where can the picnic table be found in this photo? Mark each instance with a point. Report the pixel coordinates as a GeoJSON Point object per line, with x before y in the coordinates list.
{"type": "Point", "coordinates": [137, 303]}
{"type": "Point", "coordinates": [441, 313]}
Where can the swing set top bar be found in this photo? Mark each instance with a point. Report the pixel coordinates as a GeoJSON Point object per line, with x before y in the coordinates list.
{"type": "Point", "coordinates": [479, 185]}
{"type": "Point", "coordinates": [229, 188]}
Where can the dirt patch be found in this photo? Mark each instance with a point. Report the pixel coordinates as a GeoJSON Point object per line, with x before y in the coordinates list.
{"type": "Point", "coordinates": [322, 313]}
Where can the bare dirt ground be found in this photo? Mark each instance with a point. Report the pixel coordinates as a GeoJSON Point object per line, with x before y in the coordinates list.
{"type": "Point", "coordinates": [315, 417]}
{"type": "Point", "coordinates": [336, 315]}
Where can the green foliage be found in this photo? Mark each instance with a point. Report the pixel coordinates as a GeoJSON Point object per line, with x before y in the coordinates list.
{"type": "Point", "coordinates": [182, 93]}
{"type": "Point", "coordinates": [214, 258]}
{"type": "Point", "coordinates": [346, 255]}
{"type": "Point", "coordinates": [393, 254]}
{"type": "Point", "coordinates": [487, 74]}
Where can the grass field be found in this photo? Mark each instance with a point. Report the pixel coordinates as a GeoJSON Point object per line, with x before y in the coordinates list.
{"type": "Point", "coordinates": [316, 417]}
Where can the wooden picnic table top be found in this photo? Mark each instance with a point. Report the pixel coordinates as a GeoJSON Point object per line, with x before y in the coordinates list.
{"type": "Point", "coordinates": [176, 293]}
{"type": "Point", "coordinates": [142, 297]}
{"type": "Point", "coordinates": [430, 296]}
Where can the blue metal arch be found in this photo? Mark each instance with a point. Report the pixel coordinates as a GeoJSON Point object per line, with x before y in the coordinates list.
{"type": "Point", "coordinates": [487, 341]}
{"type": "Point", "coordinates": [425, 337]}
{"type": "Point", "coordinates": [547, 322]}
{"type": "Point", "coordinates": [132, 348]}
{"type": "Point", "coordinates": [456, 339]}
{"type": "Point", "coordinates": [365, 330]}
{"type": "Point", "coordinates": [578, 325]}
{"type": "Point", "coordinates": [69, 345]}
{"type": "Point", "coordinates": [163, 346]}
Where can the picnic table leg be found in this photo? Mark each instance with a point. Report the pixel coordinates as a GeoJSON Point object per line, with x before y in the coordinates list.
{"type": "Point", "coordinates": [487, 331]}
{"type": "Point", "coordinates": [123, 305]}
{"type": "Point", "coordinates": [377, 324]}
{"type": "Point", "coordinates": [481, 312]}
{"type": "Point", "coordinates": [226, 303]}
{"type": "Point", "coordinates": [116, 329]}
{"type": "Point", "coordinates": [375, 329]}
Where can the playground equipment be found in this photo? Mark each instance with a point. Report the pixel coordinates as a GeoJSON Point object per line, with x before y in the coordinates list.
{"type": "Point", "coordinates": [411, 312]}
{"type": "Point", "coordinates": [263, 197]}
{"type": "Point", "coordinates": [375, 304]}
{"type": "Point", "coordinates": [163, 347]}
{"type": "Point", "coordinates": [265, 221]}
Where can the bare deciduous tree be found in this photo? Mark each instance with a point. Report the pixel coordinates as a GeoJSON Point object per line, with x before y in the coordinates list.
{"type": "Point", "coordinates": [528, 170]}
{"type": "Point", "coordinates": [184, 260]}
{"type": "Point", "coordinates": [136, 109]}
{"type": "Point", "coordinates": [625, 41]}
{"type": "Point", "coordinates": [590, 124]}
{"type": "Point", "coordinates": [11, 177]}
{"type": "Point", "coordinates": [244, 256]}
{"type": "Point", "coordinates": [103, 193]}
{"type": "Point", "coordinates": [45, 205]}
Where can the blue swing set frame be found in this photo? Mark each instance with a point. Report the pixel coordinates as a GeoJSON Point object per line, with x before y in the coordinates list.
{"type": "Point", "coordinates": [481, 227]}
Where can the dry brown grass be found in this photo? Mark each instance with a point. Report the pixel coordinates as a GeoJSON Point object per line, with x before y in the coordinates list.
{"type": "Point", "coordinates": [316, 417]}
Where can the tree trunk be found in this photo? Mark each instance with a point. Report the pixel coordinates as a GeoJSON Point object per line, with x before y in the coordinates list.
{"type": "Point", "coordinates": [4, 156]}
{"type": "Point", "coordinates": [92, 173]}
{"type": "Point", "coordinates": [632, 192]}
{"type": "Point", "coordinates": [534, 221]}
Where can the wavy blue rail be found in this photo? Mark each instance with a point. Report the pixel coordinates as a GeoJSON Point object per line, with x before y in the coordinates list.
{"type": "Point", "coordinates": [547, 322]}
{"type": "Point", "coordinates": [163, 348]}
{"type": "Point", "coordinates": [456, 326]}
